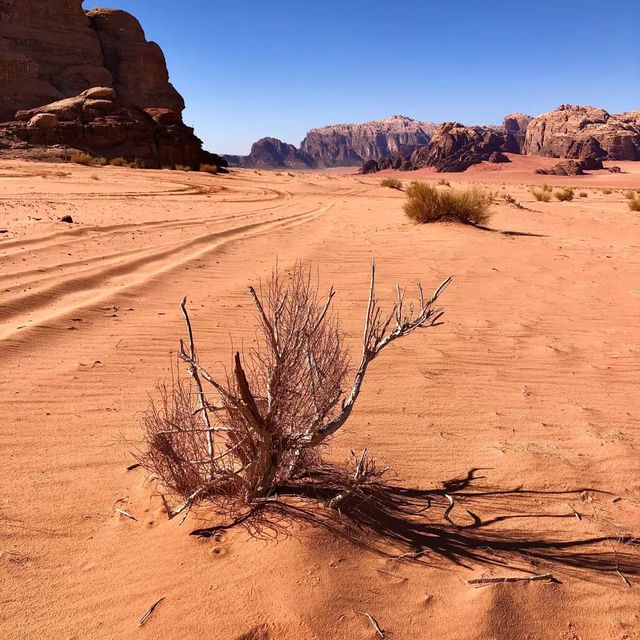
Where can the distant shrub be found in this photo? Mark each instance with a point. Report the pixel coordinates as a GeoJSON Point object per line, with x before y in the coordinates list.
{"type": "Point", "coordinates": [444, 183]}
{"type": "Point", "coordinates": [99, 162]}
{"type": "Point", "coordinates": [607, 191]}
{"type": "Point", "coordinates": [583, 194]}
{"type": "Point", "coordinates": [118, 162]}
{"type": "Point", "coordinates": [392, 183]}
{"type": "Point", "coordinates": [94, 177]}
{"type": "Point", "coordinates": [541, 196]}
{"type": "Point", "coordinates": [82, 158]}
{"type": "Point", "coordinates": [634, 204]}
{"type": "Point", "coordinates": [183, 167]}
{"type": "Point", "coordinates": [547, 188]}
{"type": "Point", "coordinates": [426, 203]}
{"type": "Point", "coordinates": [565, 195]}
{"type": "Point", "coordinates": [209, 168]}
{"type": "Point", "coordinates": [630, 195]}
{"type": "Point", "coordinates": [138, 163]}
{"type": "Point", "coordinates": [509, 199]}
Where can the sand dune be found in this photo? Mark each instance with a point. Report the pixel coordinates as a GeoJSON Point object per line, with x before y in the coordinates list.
{"type": "Point", "coordinates": [523, 408]}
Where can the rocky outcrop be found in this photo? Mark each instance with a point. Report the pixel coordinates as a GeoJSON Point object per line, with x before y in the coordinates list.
{"type": "Point", "coordinates": [515, 127]}
{"type": "Point", "coordinates": [572, 167]}
{"type": "Point", "coordinates": [91, 81]}
{"type": "Point", "coordinates": [453, 148]}
{"type": "Point", "coordinates": [97, 122]}
{"type": "Point", "coordinates": [353, 144]}
{"type": "Point", "coordinates": [584, 132]}
{"type": "Point", "coordinates": [273, 153]}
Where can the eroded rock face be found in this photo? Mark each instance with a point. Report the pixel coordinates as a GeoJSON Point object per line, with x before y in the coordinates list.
{"type": "Point", "coordinates": [97, 122]}
{"type": "Point", "coordinates": [273, 153]}
{"type": "Point", "coordinates": [89, 81]}
{"type": "Point", "coordinates": [581, 132]}
{"type": "Point", "coordinates": [515, 127]}
{"type": "Point", "coordinates": [138, 67]}
{"type": "Point", "coordinates": [48, 51]}
{"type": "Point", "coordinates": [353, 144]}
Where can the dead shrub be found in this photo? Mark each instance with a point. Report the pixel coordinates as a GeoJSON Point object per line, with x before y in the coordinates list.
{"type": "Point", "coordinates": [426, 203]}
{"type": "Point", "coordinates": [541, 196]}
{"type": "Point", "coordinates": [583, 194]}
{"type": "Point", "coordinates": [236, 443]}
{"type": "Point", "coordinates": [634, 204]}
{"type": "Point", "coordinates": [565, 195]}
{"type": "Point", "coordinates": [392, 183]}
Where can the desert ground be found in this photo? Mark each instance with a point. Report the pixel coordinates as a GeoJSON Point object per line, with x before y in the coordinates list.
{"type": "Point", "coordinates": [523, 408]}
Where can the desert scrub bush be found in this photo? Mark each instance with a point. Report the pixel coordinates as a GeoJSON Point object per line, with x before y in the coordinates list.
{"type": "Point", "coordinates": [392, 183]}
{"type": "Point", "coordinates": [254, 436]}
{"type": "Point", "coordinates": [630, 195]}
{"type": "Point", "coordinates": [583, 194]}
{"type": "Point", "coordinates": [541, 196]}
{"type": "Point", "coordinates": [99, 162]}
{"type": "Point", "coordinates": [183, 167]}
{"type": "Point", "coordinates": [565, 194]}
{"type": "Point", "coordinates": [82, 158]}
{"type": "Point", "coordinates": [427, 203]}
{"type": "Point", "coordinates": [118, 162]}
{"type": "Point", "coordinates": [634, 204]}
{"type": "Point", "coordinates": [209, 168]}
{"type": "Point", "coordinates": [607, 192]}
{"type": "Point", "coordinates": [545, 187]}
{"type": "Point", "coordinates": [444, 183]}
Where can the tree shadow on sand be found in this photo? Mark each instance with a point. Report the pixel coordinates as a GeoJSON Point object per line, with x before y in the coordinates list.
{"type": "Point", "coordinates": [448, 525]}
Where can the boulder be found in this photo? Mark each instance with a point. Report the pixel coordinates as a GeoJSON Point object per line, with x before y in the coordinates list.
{"type": "Point", "coordinates": [498, 157]}
{"type": "Point", "coordinates": [566, 168]}
{"type": "Point", "coordinates": [43, 121]}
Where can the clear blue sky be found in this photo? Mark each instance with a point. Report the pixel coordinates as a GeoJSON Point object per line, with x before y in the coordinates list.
{"type": "Point", "coordinates": [250, 69]}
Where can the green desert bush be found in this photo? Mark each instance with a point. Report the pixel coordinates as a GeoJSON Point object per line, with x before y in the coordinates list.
{"type": "Point", "coordinates": [541, 196]}
{"type": "Point", "coordinates": [427, 203]}
{"type": "Point", "coordinates": [82, 158]}
{"type": "Point", "coordinates": [565, 195]}
{"type": "Point", "coordinates": [634, 204]}
{"type": "Point", "coordinates": [392, 183]}
{"type": "Point", "coordinates": [209, 168]}
{"type": "Point", "coordinates": [118, 162]}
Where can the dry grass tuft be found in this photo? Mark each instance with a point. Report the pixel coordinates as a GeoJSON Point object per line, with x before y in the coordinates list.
{"type": "Point", "coordinates": [427, 203]}
{"type": "Point", "coordinates": [634, 204]}
{"type": "Point", "coordinates": [565, 195]}
{"type": "Point", "coordinates": [392, 183]}
{"type": "Point", "coordinates": [541, 196]}
{"type": "Point", "coordinates": [82, 158]}
{"type": "Point", "coordinates": [118, 162]}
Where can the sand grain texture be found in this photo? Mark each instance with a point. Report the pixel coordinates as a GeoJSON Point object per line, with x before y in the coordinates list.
{"type": "Point", "coordinates": [523, 407]}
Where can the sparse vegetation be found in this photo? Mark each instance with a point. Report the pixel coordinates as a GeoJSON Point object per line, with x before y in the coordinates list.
{"type": "Point", "coordinates": [427, 203]}
{"type": "Point", "coordinates": [118, 162]}
{"type": "Point", "coordinates": [583, 194]}
{"type": "Point", "coordinates": [541, 196]}
{"type": "Point", "coordinates": [565, 195]}
{"type": "Point", "coordinates": [607, 192]}
{"type": "Point", "coordinates": [257, 436]}
{"type": "Point", "coordinates": [444, 183]}
{"type": "Point", "coordinates": [546, 188]}
{"type": "Point", "coordinates": [634, 204]}
{"type": "Point", "coordinates": [82, 158]}
{"type": "Point", "coordinates": [183, 167]}
{"type": "Point", "coordinates": [630, 195]}
{"type": "Point", "coordinates": [138, 163]}
{"type": "Point", "coordinates": [392, 183]}
{"type": "Point", "coordinates": [209, 168]}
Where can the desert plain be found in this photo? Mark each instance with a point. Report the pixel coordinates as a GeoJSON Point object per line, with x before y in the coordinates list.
{"type": "Point", "coordinates": [523, 408]}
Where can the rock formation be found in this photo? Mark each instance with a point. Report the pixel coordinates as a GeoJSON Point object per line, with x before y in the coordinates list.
{"type": "Point", "coordinates": [582, 132]}
{"type": "Point", "coordinates": [453, 147]}
{"type": "Point", "coordinates": [90, 81]}
{"type": "Point", "coordinates": [515, 127]}
{"type": "Point", "coordinates": [273, 153]}
{"type": "Point", "coordinates": [353, 144]}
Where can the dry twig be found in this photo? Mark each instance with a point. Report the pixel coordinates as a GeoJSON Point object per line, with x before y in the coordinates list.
{"type": "Point", "coordinates": [149, 612]}
{"type": "Point", "coordinates": [543, 576]}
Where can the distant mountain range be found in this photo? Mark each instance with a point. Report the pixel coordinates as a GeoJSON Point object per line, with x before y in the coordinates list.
{"type": "Point", "coordinates": [400, 142]}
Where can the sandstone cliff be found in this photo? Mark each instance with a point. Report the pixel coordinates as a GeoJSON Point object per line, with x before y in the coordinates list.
{"type": "Point", "coordinates": [352, 144]}
{"type": "Point", "coordinates": [54, 51]}
{"type": "Point", "coordinates": [577, 132]}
